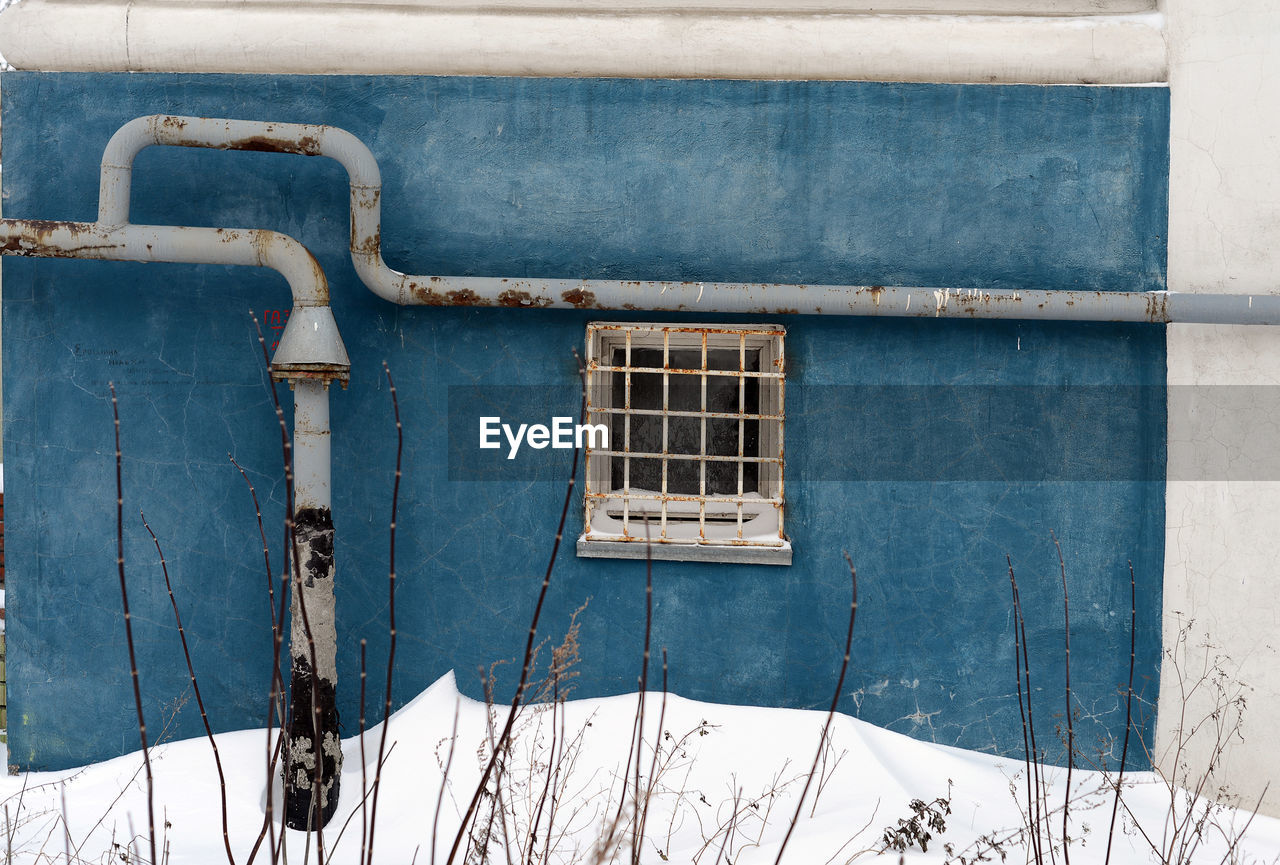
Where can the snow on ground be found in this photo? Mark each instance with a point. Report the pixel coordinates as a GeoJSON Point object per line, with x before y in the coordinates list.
{"type": "Point", "coordinates": [727, 777]}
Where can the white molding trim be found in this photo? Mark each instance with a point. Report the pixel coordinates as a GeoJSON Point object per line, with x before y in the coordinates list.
{"type": "Point", "coordinates": [402, 37]}
{"type": "Point", "coordinates": [783, 7]}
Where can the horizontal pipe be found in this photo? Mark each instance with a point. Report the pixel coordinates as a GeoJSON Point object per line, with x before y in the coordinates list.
{"type": "Point", "coordinates": [311, 448]}
{"type": "Point", "coordinates": [38, 238]}
{"type": "Point", "coordinates": [1059, 42]}
{"type": "Point", "coordinates": [718, 297]}
{"type": "Point", "coordinates": [1154, 307]}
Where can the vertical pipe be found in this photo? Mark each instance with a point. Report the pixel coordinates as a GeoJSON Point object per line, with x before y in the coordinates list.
{"type": "Point", "coordinates": [313, 637]}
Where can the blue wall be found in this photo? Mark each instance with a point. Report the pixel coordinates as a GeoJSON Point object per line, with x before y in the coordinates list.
{"type": "Point", "coordinates": [906, 443]}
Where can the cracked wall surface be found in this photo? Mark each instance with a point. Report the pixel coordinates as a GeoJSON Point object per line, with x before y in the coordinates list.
{"type": "Point", "coordinates": [928, 489]}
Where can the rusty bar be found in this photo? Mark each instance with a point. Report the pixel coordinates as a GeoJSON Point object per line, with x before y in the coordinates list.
{"type": "Point", "coordinates": [626, 442]}
{"type": "Point", "coordinates": [592, 414]}
{"type": "Point", "coordinates": [702, 463]}
{"type": "Point", "coordinates": [694, 330]}
{"type": "Point", "coordinates": [690, 372]}
{"type": "Point", "coordinates": [742, 407]}
{"type": "Point", "coordinates": [692, 499]}
{"type": "Point", "coordinates": [666, 417]}
{"type": "Point", "coordinates": [700, 457]}
{"type": "Point", "coordinates": [781, 363]}
{"type": "Point", "coordinates": [723, 415]}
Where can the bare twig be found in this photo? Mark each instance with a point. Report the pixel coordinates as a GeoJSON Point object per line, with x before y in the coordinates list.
{"type": "Point", "coordinates": [536, 820]}
{"type": "Point", "coordinates": [1024, 709]}
{"type": "Point", "coordinates": [66, 828]}
{"type": "Point", "coordinates": [128, 627]}
{"type": "Point", "coordinates": [364, 781]}
{"type": "Point", "coordinates": [555, 788]}
{"type": "Point", "coordinates": [1128, 706]}
{"type": "Point", "coordinates": [1235, 841]}
{"type": "Point", "coordinates": [276, 690]}
{"type": "Point", "coordinates": [391, 595]}
{"type": "Point", "coordinates": [266, 552]}
{"type": "Point", "coordinates": [195, 687]}
{"type": "Point", "coordinates": [563, 657]}
{"type": "Point", "coordinates": [728, 836]}
{"type": "Point", "coordinates": [653, 764]}
{"type": "Point", "coordinates": [835, 701]}
{"type": "Point", "coordinates": [637, 822]}
{"type": "Point", "coordinates": [346, 824]}
{"type": "Point", "coordinates": [533, 630]}
{"type": "Point", "coordinates": [444, 779]}
{"type": "Point", "coordinates": [1071, 730]}
{"type": "Point", "coordinates": [1040, 784]}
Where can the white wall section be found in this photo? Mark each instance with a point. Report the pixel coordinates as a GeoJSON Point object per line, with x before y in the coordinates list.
{"type": "Point", "coordinates": [1224, 236]}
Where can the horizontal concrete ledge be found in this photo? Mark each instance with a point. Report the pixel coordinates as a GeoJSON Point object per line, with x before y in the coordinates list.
{"type": "Point", "coordinates": [398, 38]}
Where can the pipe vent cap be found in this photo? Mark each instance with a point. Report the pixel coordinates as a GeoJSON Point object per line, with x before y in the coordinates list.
{"type": "Point", "coordinates": [311, 348]}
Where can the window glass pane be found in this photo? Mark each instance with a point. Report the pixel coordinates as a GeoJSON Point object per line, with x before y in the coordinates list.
{"type": "Point", "coordinates": [723, 396]}
{"type": "Point", "coordinates": [682, 477]}
{"type": "Point", "coordinates": [646, 476]}
{"type": "Point", "coordinates": [684, 393]}
{"type": "Point", "coordinates": [729, 358]}
{"type": "Point", "coordinates": [646, 387]}
{"type": "Point", "coordinates": [684, 435]}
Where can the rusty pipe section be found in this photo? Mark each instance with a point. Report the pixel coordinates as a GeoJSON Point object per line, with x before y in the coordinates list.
{"type": "Point", "coordinates": [313, 640]}
{"type": "Point", "coordinates": [720, 297]}
{"type": "Point", "coordinates": [301, 139]}
{"type": "Point", "coordinates": [40, 238]}
{"type": "Point", "coordinates": [310, 348]}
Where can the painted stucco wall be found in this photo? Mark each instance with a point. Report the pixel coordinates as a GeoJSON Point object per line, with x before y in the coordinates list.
{"type": "Point", "coordinates": [928, 488]}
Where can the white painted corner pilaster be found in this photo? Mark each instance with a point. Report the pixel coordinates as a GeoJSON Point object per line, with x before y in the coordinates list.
{"type": "Point", "coordinates": [1223, 507]}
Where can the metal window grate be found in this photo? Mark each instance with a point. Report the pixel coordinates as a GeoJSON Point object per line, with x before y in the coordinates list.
{"type": "Point", "coordinates": [696, 423]}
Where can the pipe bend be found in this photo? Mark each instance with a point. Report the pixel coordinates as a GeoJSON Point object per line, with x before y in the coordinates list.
{"type": "Point", "coordinates": [292, 260]}
{"type": "Point", "coordinates": [128, 141]}
{"type": "Point", "coordinates": [38, 238]}
{"type": "Point", "coordinates": [215, 133]}
{"type": "Point", "coordinates": [304, 139]}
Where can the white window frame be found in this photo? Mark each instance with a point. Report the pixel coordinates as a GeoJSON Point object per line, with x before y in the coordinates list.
{"type": "Point", "coordinates": [743, 525]}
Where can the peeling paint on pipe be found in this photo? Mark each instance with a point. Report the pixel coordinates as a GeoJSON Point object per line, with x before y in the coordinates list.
{"type": "Point", "coordinates": [181, 244]}
{"type": "Point", "coordinates": [313, 641]}
{"type": "Point", "coordinates": [311, 445]}
{"type": "Point", "coordinates": [717, 297]}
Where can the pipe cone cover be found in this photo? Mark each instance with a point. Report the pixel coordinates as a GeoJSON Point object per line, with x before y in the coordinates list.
{"type": "Point", "coordinates": [311, 347]}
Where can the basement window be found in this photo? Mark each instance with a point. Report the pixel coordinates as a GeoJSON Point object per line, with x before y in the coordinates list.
{"type": "Point", "coordinates": [692, 468]}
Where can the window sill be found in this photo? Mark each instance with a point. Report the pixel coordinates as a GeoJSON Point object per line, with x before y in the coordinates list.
{"type": "Point", "coordinates": [719, 553]}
